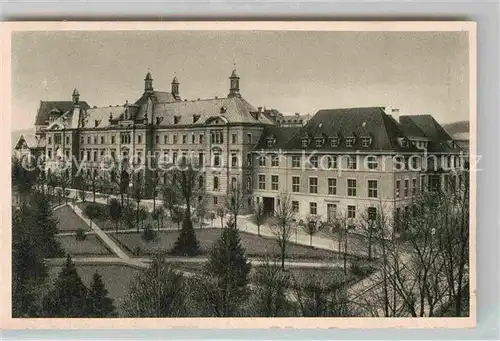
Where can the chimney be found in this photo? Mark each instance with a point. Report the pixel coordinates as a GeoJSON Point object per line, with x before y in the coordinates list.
{"type": "Point", "coordinates": [394, 112]}
{"type": "Point", "coordinates": [260, 109]}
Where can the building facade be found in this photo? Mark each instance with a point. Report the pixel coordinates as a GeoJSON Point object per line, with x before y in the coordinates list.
{"type": "Point", "coordinates": [352, 162]}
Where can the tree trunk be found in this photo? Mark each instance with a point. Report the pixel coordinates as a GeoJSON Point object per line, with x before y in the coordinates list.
{"type": "Point", "coordinates": [310, 240]}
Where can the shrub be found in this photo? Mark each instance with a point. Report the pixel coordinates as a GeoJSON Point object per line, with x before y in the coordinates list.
{"type": "Point", "coordinates": [128, 216]}
{"type": "Point", "coordinates": [80, 234]}
{"type": "Point", "coordinates": [148, 234]}
{"type": "Point", "coordinates": [137, 251]}
{"type": "Point", "coordinates": [359, 269]}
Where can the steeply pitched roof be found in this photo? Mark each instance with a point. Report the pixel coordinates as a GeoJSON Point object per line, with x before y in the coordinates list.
{"type": "Point", "coordinates": [427, 125]}
{"type": "Point", "coordinates": [42, 115]}
{"type": "Point", "coordinates": [101, 114]}
{"type": "Point", "coordinates": [282, 136]}
{"type": "Point", "coordinates": [370, 122]}
{"type": "Point", "coordinates": [31, 140]}
{"type": "Point", "coordinates": [234, 110]}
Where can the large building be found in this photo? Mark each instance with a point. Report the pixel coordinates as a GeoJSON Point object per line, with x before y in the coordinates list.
{"type": "Point", "coordinates": [340, 161]}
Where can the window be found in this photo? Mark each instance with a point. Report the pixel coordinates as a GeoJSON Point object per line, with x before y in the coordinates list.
{"type": "Point", "coordinates": [414, 162]}
{"type": "Point", "coordinates": [305, 142]}
{"type": "Point", "coordinates": [200, 181]}
{"type": "Point", "coordinates": [174, 139]}
{"type": "Point", "coordinates": [314, 161]}
{"type": "Point", "coordinates": [274, 182]}
{"type": "Point", "coordinates": [372, 213]}
{"type": "Point", "coordinates": [332, 186]}
{"type": "Point", "coordinates": [88, 156]}
{"type": "Point", "coordinates": [50, 140]}
{"type": "Point", "coordinates": [82, 140]}
{"type": "Point", "coordinates": [334, 142]}
{"type": "Point", "coordinates": [249, 159]}
{"type": "Point", "coordinates": [67, 140]}
{"type": "Point", "coordinates": [262, 182]}
{"type": "Point", "coordinates": [349, 142]}
{"type": "Point", "coordinates": [233, 184]}
{"type": "Point", "coordinates": [352, 163]}
{"type": "Point", "coordinates": [234, 160]}
{"type": "Point", "coordinates": [200, 159]}
{"type": "Point", "coordinates": [139, 138]}
{"type": "Point", "coordinates": [249, 183]}
{"type": "Point", "coordinates": [313, 208]}
{"type": "Point", "coordinates": [82, 154]}
{"type": "Point", "coordinates": [234, 138]}
{"type": "Point", "coordinates": [201, 138]}
{"type": "Point", "coordinates": [296, 184]}
{"type": "Point", "coordinates": [351, 211]}
{"type": "Point", "coordinates": [365, 142]}
{"type": "Point", "coordinates": [275, 162]}
{"type": "Point", "coordinates": [372, 189]}
{"type": "Point", "coordinates": [57, 138]}
{"type": "Point", "coordinates": [139, 157]}
{"type": "Point", "coordinates": [184, 139]}
{"type": "Point", "coordinates": [372, 162]}
{"type": "Point", "coordinates": [217, 137]}
{"type": "Point", "coordinates": [351, 187]}
{"type": "Point", "coordinates": [113, 154]}
{"type": "Point", "coordinates": [249, 138]}
{"type": "Point", "coordinates": [262, 160]}
{"type": "Point", "coordinates": [413, 186]}
{"type": "Point", "coordinates": [88, 140]}
{"type": "Point", "coordinates": [215, 201]}
{"type": "Point", "coordinates": [112, 139]}
{"type": "Point", "coordinates": [296, 161]}
{"type": "Point", "coordinates": [319, 142]}
{"type": "Point", "coordinates": [216, 158]}
{"type": "Point", "coordinates": [95, 155]}
{"type": "Point", "coordinates": [49, 153]}
{"type": "Point", "coordinates": [102, 139]}
{"type": "Point", "coordinates": [270, 142]}
{"type": "Point", "coordinates": [216, 183]}
{"type": "Point", "coordinates": [398, 188]}
{"type": "Point", "coordinates": [174, 157]}
{"type": "Point", "coordinates": [193, 139]}
{"type": "Point", "coordinates": [407, 185]}
{"type": "Point", "coordinates": [399, 162]}
{"type": "Point", "coordinates": [102, 153]}
{"type": "Point", "coordinates": [332, 162]}
{"type": "Point", "coordinates": [177, 119]}
{"type": "Point", "coordinates": [313, 185]}
{"type": "Point", "coordinates": [165, 139]}
{"type": "Point", "coordinates": [295, 206]}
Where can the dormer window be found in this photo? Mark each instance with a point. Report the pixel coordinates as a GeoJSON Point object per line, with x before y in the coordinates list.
{"type": "Point", "coordinates": [366, 142]}
{"type": "Point", "coordinates": [223, 110]}
{"type": "Point", "coordinates": [334, 142]}
{"type": "Point", "coordinates": [319, 142]}
{"type": "Point", "coordinates": [177, 119]}
{"type": "Point", "coordinates": [270, 141]}
{"type": "Point", "coordinates": [305, 142]}
{"type": "Point", "coordinates": [349, 142]}
{"type": "Point", "coordinates": [404, 143]}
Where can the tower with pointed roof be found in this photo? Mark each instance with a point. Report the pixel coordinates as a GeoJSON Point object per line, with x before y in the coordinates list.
{"type": "Point", "coordinates": [76, 97]}
{"type": "Point", "coordinates": [148, 83]}
{"type": "Point", "coordinates": [234, 90]}
{"type": "Point", "coordinates": [175, 88]}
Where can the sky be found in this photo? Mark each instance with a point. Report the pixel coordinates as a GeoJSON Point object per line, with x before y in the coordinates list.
{"type": "Point", "coordinates": [291, 71]}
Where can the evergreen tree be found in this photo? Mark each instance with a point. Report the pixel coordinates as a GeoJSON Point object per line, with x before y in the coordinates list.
{"type": "Point", "coordinates": [158, 291]}
{"type": "Point", "coordinates": [28, 269]}
{"type": "Point", "coordinates": [46, 226]}
{"type": "Point", "coordinates": [98, 302]}
{"type": "Point", "coordinates": [228, 266]}
{"type": "Point", "coordinates": [69, 295]}
{"type": "Point", "coordinates": [186, 244]}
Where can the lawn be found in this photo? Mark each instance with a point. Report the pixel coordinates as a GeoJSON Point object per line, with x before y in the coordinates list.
{"type": "Point", "coordinates": [116, 278]}
{"type": "Point", "coordinates": [91, 246]}
{"type": "Point", "coordinates": [68, 220]}
{"type": "Point", "coordinates": [254, 245]}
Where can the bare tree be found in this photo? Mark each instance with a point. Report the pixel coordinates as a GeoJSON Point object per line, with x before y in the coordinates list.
{"type": "Point", "coordinates": [184, 180]}
{"type": "Point", "coordinates": [312, 226]}
{"type": "Point", "coordinates": [282, 226]}
{"type": "Point", "coordinates": [221, 213]}
{"type": "Point", "coordinates": [138, 195]}
{"type": "Point", "coordinates": [258, 216]}
{"type": "Point", "coordinates": [201, 210]}
{"type": "Point", "coordinates": [233, 202]}
{"type": "Point", "coordinates": [168, 193]}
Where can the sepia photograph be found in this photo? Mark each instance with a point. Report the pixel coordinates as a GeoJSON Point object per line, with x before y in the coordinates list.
{"type": "Point", "coordinates": [256, 172]}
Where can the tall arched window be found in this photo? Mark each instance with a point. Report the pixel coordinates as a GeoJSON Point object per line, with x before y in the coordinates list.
{"type": "Point", "coordinates": [216, 183]}
{"type": "Point", "coordinates": [233, 183]}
